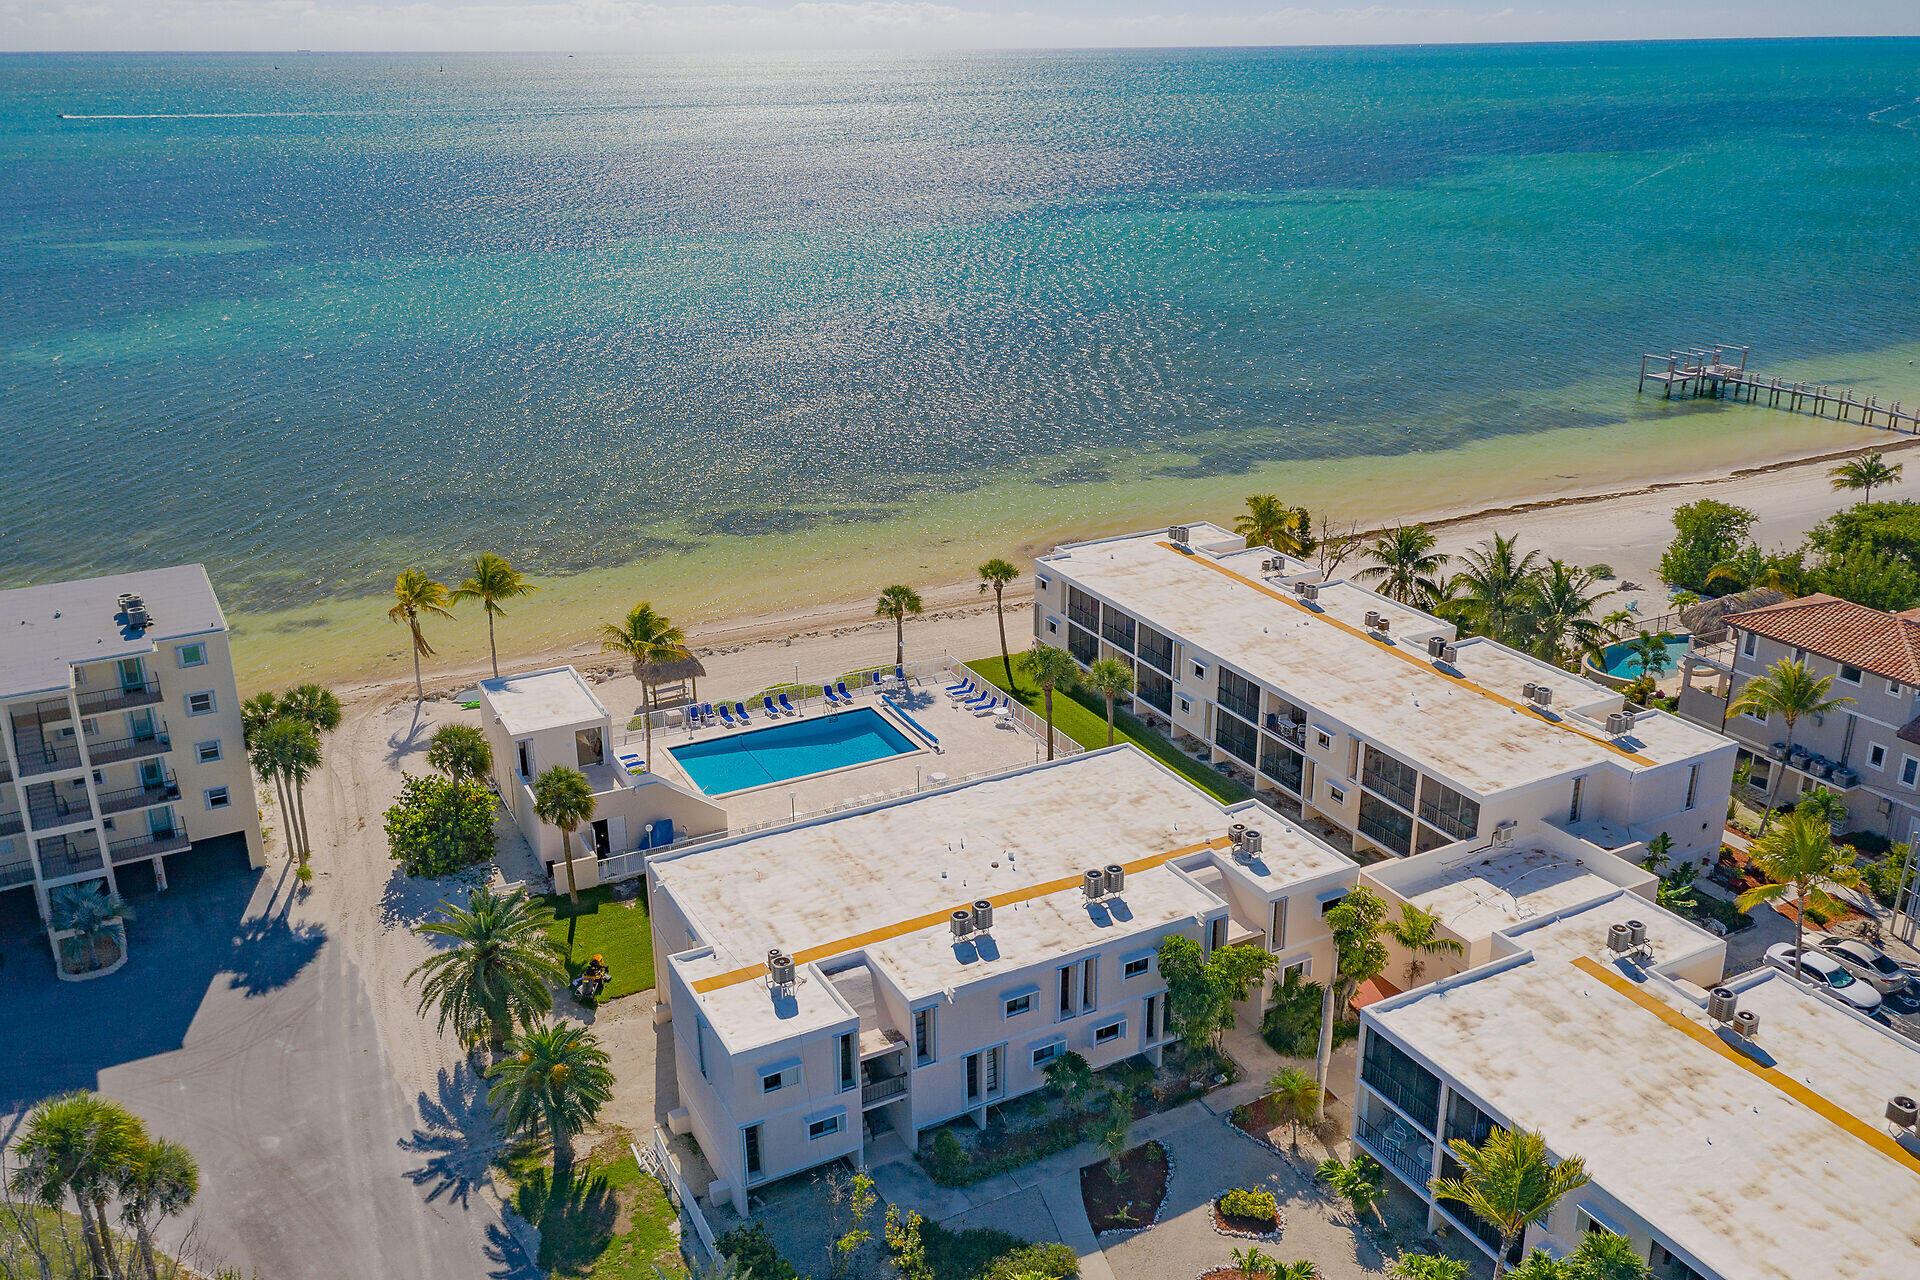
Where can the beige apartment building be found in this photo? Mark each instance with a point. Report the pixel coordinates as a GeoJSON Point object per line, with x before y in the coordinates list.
{"type": "Point", "coordinates": [120, 740]}
{"type": "Point", "coordinates": [1345, 707]}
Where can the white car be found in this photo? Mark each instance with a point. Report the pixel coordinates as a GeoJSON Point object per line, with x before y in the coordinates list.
{"type": "Point", "coordinates": [1823, 972]}
{"type": "Point", "coordinates": [1866, 962]}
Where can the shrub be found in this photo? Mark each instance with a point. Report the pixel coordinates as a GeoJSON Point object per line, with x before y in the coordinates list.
{"type": "Point", "coordinates": [981, 1253]}
{"type": "Point", "coordinates": [947, 1161]}
{"type": "Point", "coordinates": [1882, 879]}
{"type": "Point", "coordinates": [1246, 1202]}
{"type": "Point", "coordinates": [1427, 1266]}
{"type": "Point", "coordinates": [439, 826]}
{"type": "Point", "coordinates": [1601, 571]}
{"type": "Point", "coordinates": [1870, 843]}
{"type": "Point", "coordinates": [749, 1247]}
{"type": "Point", "coordinates": [1706, 533]}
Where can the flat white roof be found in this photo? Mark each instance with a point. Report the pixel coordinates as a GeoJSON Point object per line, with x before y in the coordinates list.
{"type": "Point", "coordinates": [46, 630]}
{"type": "Point", "coordinates": [1471, 726]}
{"type": "Point", "coordinates": [556, 698]}
{"type": "Point", "coordinates": [1488, 890]}
{"type": "Point", "coordinates": [859, 882]}
{"type": "Point", "coordinates": [1758, 1176]}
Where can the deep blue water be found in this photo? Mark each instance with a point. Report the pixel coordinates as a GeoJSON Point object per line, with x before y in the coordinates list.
{"type": "Point", "coordinates": [790, 749]}
{"type": "Point", "coordinates": [309, 317]}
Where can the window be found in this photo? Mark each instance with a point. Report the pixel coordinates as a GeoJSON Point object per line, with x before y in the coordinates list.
{"type": "Point", "coordinates": [199, 704]}
{"type": "Point", "coordinates": [1754, 713]}
{"type": "Point", "coordinates": [1136, 967]}
{"type": "Point", "coordinates": [1111, 1032]}
{"type": "Point", "coordinates": [1849, 674]}
{"type": "Point", "coordinates": [923, 1035]}
{"type": "Point", "coordinates": [1089, 983]}
{"type": "Point", "coordinates": [191, 655]}
{"type": "Point", "coordinates": [1053, 627]}
{"type": "Point", "coordinates": [1199, 671]}
{"type": "Point", "coordinates": [1573, 806]}
{"type": "Point", "coordinates": [207, 752]}
{"type": "Point", "coordinates": [1302, 967]}
{"type": "Point", "coordinates": [525, 750]}
{"type": "Point", "coordinates": [1332, 900]}
{"type": "Point", "coordinates": [1324, 739]}
{"type": "Point", "coordinates": [1693, 784]}
{"type": "Point", "coordinates": [1800, 655]}
{"type": "Point", "coordinates": [1045, 1053]}
{"type": "Point", "coordinates": [1066, 992]}
{"type": "Point", "coordinates": [1893, 688]}
{"type": "Point", "coordinates": [1043, 583]}
{"type": "Point", "coordinates": [1909, 771]}
{"type": "Point", "coordinates": [1750, 645]}
{"type": "Point", "coordinates": [89, 726]}
{"type": "Point", "coordinates": [752, 1136]}
{"type": "Point", "coordinates": [1876, 756]}
{"type": "Point", "coordinates": [775, 1080]}
{"type": "Point", "coordinates": [1018, 1005]}
{"type": "Point", "coordinates": [826, 1127]}
{"type": "Point", "coordinates": [1185, 706]}
{"type": "Point", "coordinates": [849, 1073]}
{"type": "Point", "coordinates": [217, 798]}
{"type": "Point", "coordinates": [1216, 934]}
{"type": "Point", "coordinates": [1277, 934]}
{"type": "Point", "coordinates": [1336, 794]}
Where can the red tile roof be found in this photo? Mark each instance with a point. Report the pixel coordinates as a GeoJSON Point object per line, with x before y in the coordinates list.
{"type": "Point", "coordinates": [1887, 644]}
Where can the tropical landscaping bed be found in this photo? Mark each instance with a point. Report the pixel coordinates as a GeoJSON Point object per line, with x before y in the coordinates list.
{"type": "Point", "coordinates": [1125, 1193]}
{"type": "Point", "coordinates": [604, 925]}
{"type": "Point", "coordinates": [1247, 1214]}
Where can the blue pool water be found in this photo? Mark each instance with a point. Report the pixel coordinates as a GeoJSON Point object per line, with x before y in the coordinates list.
{"type": "Point", "coordinates": [1623, 662]}
{"type": "Point", "coordinates": [792, 749]}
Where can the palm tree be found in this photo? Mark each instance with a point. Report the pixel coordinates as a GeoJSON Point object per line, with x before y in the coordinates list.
{"type": "Point", "coordinates": [995, 575]}
{"type": "Point", "coordinates": [897, 602]}
{"type": "Point", "coordinates": [289, 749]}
{"type": "Point", "coordinates": [1496, 589]}
{"type": "Point", "coordinates": [1651, 652]}
{"type": "Point", "coordinates": [1070, 1077]}
{"type": "Point", "coordinates": [80, 1145]}
{"type": "Point", "coordinates": [159, 1182]}
{"type": "Point", "coordinates": [1051, 668]}
{"type": "Point", "coordinates": [643, 636]}
{"type": "Point", "coordinates": [414, 596]}
{"type": "Point", "coordinates": [1510, 1181]}
{"type": "Point", "coordinates": [1790, 690]}
{"type": "Point", "coordinates": [315, 704]}
{"type": "Point", "coordinates": [1865, 472]}
{"type": "Point", "coordinates": [86, 910]}
{"type": "Point", "coordinates": [461, 752]}
{"type": "Point", "coordinates": [1562, 620]}
{"type": "Point", "coordinates": [265, 762]}
{"type": "Point", "coordinates": [562, 796]}
{"type": "Point", "coordinates": [1116, 1135]}
{"type": "Point", "coordinates": [1417, 931]}
{"type": "Point", "coordinates": [1270, 522]}
{"type": "Point", "coordinates": [1799, 859]}
{"type": "Point", "coordinates": [1110, 678]}
{"type": "Point", "coordinates": [1296, 1097]}
{"type": "Point", "coordinates": [554, 1078]}
{"type": "Point", "coordinates": [499, 969]}
{"type": "Point", "coordinates": [256, 713]}
{"type": "Point", "coordinates": [1298, 1269]}
{"type": "Point", "coordinates": [1405, 564]}
{"type": "Point", "coordinates": [492, 581]}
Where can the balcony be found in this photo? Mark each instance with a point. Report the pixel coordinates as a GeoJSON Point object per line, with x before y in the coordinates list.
{"type": "Point", "coordinates": [123, 698]}
{"type": "Point", "coordinates": [65, 858]}
{"type": "Point", "coordinates": [153, 845]}
{"type": "Point", "coordinates": [49, 809]}
{"type": "Point", "coordinates": [6, 770]}
{"type": "Point", "coordinates": [135, 748]}
{"type": "Point", "coordinates": [1400, 1148]}
{"type": "Point", "coordinates": [131, 798]}
{"type": "Point", "coordinates": [45, 756]}
{"type": "Point", "coordinates": [15, 873]}
{"type": "Point", "coordinates": [881, 1090]}
{"type": "Point", "coordinates": [12, 824]}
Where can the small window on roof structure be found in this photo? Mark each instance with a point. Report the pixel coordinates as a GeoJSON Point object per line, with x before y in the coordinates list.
{"type": "Point", "coordinates": [1849, 674]}
{"type": "Point", "coordinates": [1749, 644]}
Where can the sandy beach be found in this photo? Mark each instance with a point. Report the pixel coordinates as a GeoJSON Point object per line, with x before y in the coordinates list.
{"type": "Point", "coordinates": [1623, 527]}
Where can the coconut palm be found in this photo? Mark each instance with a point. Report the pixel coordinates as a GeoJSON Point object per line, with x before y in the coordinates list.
{"type": "Point", "coordinates": [158, 1182]}
{"type": "Point", "coordinates": [1270, 522]}
{"type": "Point", "coordinates": [1560, 617]}
{"type": "Point", "coordinates": [1650, 652]}
{"type": "Point", "coordinates": [87, 910]}
{"type": "Point", "coordinates": [461, 752]}
{"type": "Point", "coordinates": [314, 704]}
{"type": "Point", "coordinates": [499, 968]}
{"type": "Point", "coordinates": [1801, 861]}
{"type": "Point", "coordinates": [1051, 668]}
{"type": "Point", "coordinates": [1864, 473]}
{"type": "Point", "coordinates": [995, 575]}
{"type": "Point", "coordinates": [897, 602]}
{"type": "Point", "coordinates": [415, 595]}
{"type": "Point", "coordinates": [1110, 678]}
{"type": "Point", "coordinates": [554, 1078]}
{"type": "Point", "coordinates": [1510, 1181]}
{"type": "Point", "coordinates": [78, 1145]}
{"type": "Point", "coordinates": [1298, 1269]}
{"type": "Point", "coordinates": [1417, 932]}
{"type": "Point", "coordinates": [289, 750]}
{"type": "Point", "coordinates": [1405, 565]}
{"type": "Point", "coordinates": [563, 797]}
{"type": "Point", "coordinates": [1496, 591]}
{"type": "Point", "coordinates": [1295, 1096]}
{"type": "Point", "coordinates": [491, 581]}
{"type": "Point", "coordinates": [1790, 690]}
{"type": "Point", "coordinates": [1429, 1266]}
{"type": "Point", "coordinates": [644, 637]}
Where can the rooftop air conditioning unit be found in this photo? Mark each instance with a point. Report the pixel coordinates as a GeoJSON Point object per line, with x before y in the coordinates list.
{"type": "Point", "coordinates": [1116, 876]}
{"type": "Point", "coordinates": [1637, 932]}
{"type": "Point", "coordinates": [1250, 847]}
{"type": "Point", "coordinates": [1450, 655]}
{"type": "Point", "coordinates": [1543, 694]}
{"type": "Point", "coordinates": [962, 922]}
{"type": "Point", "coordinates": [1373, 617]}
{"type": "Point", "coordinates": [1383, 625]}
{"type": "Point", "coordinates": [1268, 566]}
{"type": "Point", "coordinates": [982, 915]}
{"type": "Point", "coordinates": [1619, 722]}
{"type": "Point", "coordinates": [1722, 1004]}
{"type": "Point", "coordinates": [1528, 689]}
{"type": "Point", "coordinates": [1619, 939]}
{"type": "Point", "coordinates": [1503, 832]}
{"type": "Point", "coordinates": [1307, 590]}
{"type": "Point", "coordinates": [1237, 833]}
{"type": "Point", "coordinates": [1177, 535]}
{"type": "Point", "coordinates": [1747, 1024]}
{"type": "Point", "coordinates": [1903, 1111]}
{"type": "Point", "coordinates": [1436, 646]}
{"type": "Point", "coordinates": [779, 968]}
{"type": "Point", "coordinates": [1094, 884]}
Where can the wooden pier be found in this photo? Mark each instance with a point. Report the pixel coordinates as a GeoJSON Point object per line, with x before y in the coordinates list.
{"type": "Point", "coordinates": [1720, 372]}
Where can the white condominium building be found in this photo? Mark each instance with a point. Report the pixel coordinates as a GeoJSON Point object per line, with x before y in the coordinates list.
{"type": "Point", "coordinates": [1371, 714]}
{"type": "Point", "coordinates": [841, 981]}
{"type": "Point", "coordinates": [1763, 1132]}
{"type": "Point", "coordinates": [120, 740]}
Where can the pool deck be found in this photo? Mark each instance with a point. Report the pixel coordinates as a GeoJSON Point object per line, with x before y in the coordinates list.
{"type": "Point", "coordinates": [969, 744]}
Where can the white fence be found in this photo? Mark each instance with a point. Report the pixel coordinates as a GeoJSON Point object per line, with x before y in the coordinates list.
{"type": "Point", "coordinates": [663, 1167]}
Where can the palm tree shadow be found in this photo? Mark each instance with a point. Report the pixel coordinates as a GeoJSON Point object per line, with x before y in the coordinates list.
{"type": "Point", "coordinates": [455, 1136]}
{"type": "Point", "coordinates": [407, 742]}
{"type": "Point", "coordinates": [270, 949]}
{"type": "Point", "coordinates": [575, 1212]}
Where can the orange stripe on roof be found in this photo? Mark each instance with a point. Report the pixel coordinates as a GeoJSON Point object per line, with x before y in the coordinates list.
{"type": "Point", "coordinates": [825, 950]}
{"type": "Point", "coordinates": [1830, 1111]}
{"type": "Point", "coordinates": [1544, 717]}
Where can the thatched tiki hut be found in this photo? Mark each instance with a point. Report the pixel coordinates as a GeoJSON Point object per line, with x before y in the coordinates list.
{"type": "Point", "coordinates": [652, 674]}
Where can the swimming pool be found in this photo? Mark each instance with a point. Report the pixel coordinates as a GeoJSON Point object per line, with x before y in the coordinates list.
{"type": "Point", "coordinates": [1620, 659]}
{"type": "Point", "coordinates": [790, 749]}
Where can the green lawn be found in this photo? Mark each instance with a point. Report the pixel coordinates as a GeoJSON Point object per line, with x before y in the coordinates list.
{"type": "Point", "coordinates": [1083, 718]}
{"type": "Point", "coordinates": [608, 1219]}
{"type": "Point", "coordinates": [618, 932]}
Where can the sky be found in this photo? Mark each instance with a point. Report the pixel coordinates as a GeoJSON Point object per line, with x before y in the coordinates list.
{"type": "Point", "coordinates": [676, 26]}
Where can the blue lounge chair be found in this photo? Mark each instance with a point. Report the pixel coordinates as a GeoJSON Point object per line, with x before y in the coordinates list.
{"type": "Point", "coordinates": [991, 705]}
{"type": "Point", "coordinates": [787, 706]}
{"type": "Point", "coordinates": [841, 685]}
{"type": "Point", "coordinates": [661, 836]}
{"type": "Point", "coordinates": [726, 716]}
{"type": "Point", "coordinates": [900, 674]}
{"type": "Point", "coordinates": [962, 691]}
{"type": "Point", "coordinates": [766, 701]}
{"type": "Point", "coordinates": [740, 709]}
{"type": "Point", "coordinates": [964, 685]}
{"type": "Point", "coordinates": [704, 713]}
{"type": "Point", "coordinates": [978, 701]}
{"type": "Point", "coordinates": [826, 691]}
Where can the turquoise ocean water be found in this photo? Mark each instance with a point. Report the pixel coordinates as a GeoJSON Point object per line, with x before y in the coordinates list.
{"type": "Point", "coordinates": [307, 316]}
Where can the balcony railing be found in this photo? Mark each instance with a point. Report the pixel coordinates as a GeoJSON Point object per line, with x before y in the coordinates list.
{"type": "Point", "coordinates": [52, 811]}
{"type": "Point", "coordinates": [71, 860]}
{"type": "Point", "coordinates": [47, 757]}
{"type": "Point", "coordinates": [881, 1090]}
{"type": "Point", "coordinates": [12, 824]}
{"type": "Point", "coordinates": [16, 873]}
{"type": "Point", "coordinates": [1423, 1106]}
{"type": "Point", "coordinates": [148, 846]}
{"type": "Point", "coordinates": [121, 698]}
{"type": "Point", "coordinates": [1395, 1154]}
{"type": "Point", "coordinates": [130, 798]}
{"type": "Point", "coordinates": [134, 748]}
{"type": "Point", "coordinates": [1448, 821]}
